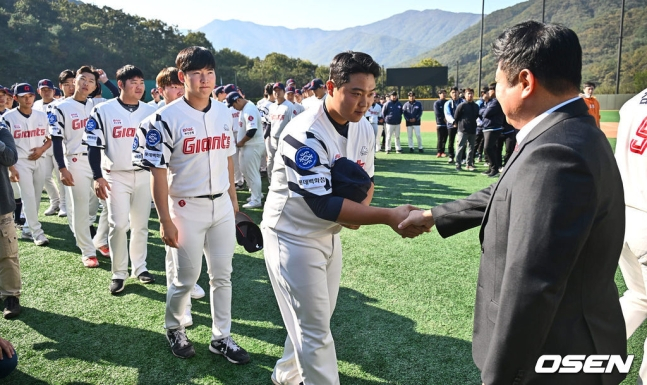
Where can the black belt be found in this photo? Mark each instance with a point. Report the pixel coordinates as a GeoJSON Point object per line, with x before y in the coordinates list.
{"type": "Point", "coordinates": [212, 197]}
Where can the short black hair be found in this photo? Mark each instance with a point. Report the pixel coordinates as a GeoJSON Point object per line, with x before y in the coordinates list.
{"type": "Point", "coordinates": [65, 74]}
{"type": "Point", "coordinates": [470, 90]}
{"type": "Point", "coordinates": [195, 58]}
{"type": "Point", "coordinates": [551, 52]}
{"type": "Point", "coordinates": [90, 69]}
{"type": "Point", "coordinates": [442, 91]}
{"type": "Point", "coordinates": [269, 88]}
{"type": "Point", "coordinates": [347, 63]}
{"type": "Point", "coordinates": [492, 86]}
{"type": "Point", "coordinates": [128, 72]}
{"type": "Point", "coordinates": [589, 84]}
{"type": "Point", "coordinates": [453, 89]}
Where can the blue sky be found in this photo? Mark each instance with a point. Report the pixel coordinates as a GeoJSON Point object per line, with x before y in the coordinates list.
{"type": "Point", "coordinates": [328, 15]}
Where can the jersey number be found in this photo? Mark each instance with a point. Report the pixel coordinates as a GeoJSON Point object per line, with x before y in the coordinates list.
{"type": "Point", "coordinates": [639, 145]}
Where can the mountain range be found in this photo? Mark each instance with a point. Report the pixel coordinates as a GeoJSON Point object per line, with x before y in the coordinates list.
{"type": "Point", "coordinates": [389, 41]}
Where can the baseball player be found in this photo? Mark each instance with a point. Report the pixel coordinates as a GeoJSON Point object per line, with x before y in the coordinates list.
{"type": "Point", "coordinates": [155, 94]}
{"type": "Point", "coordinates": [318, 91]}
{"type": "Point", "coordinates": [29, 130]}
{"type": "Point", "coordinates": [280, 113]}
{"type": "Point", "coordinates": [67, 122]}
{"type": "Point", "coordinates": [412, 111]}
{"type": "Point", "coordinates": [126, 188]}
{"type": "Point", "coordinates": [3, 98]}
{"type": "Point", "coordinates": [251, 145]}
{"type": "Point", "coordinates": [373, 114]}
{"type": "Point", "coordinates": [302, 216]}
{"type": "Point", "coordinates": [52, 180]}
{"type": "Point", "coordinates": [188, 147]}
{"type": "Point", "coordinates": [298, 96]}
{"type": "Point", "coordinates": [631, 155]}
{"type": "Point", "coordinates": [263, 106]}
{"type": "Point", "coordinates": [239, 180]}
{"type": "Point", "coordinates": [290, 93]}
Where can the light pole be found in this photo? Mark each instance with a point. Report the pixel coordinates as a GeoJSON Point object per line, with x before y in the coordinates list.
{"type": "Point", "coordinates": [456, 73]}
{"type": "Point", "coordinates": [622, 20]}
{"type": "Point", "coordinates": [481, 49]}
{"type": "Point", "coordinates": [543, 11]}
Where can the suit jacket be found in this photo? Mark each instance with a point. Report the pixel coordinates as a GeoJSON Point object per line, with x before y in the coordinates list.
{"type": "Point", "coordinates": [551, 234]}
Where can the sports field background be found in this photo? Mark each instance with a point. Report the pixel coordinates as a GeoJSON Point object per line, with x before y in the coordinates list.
{"type": "Point", "coordinates": [404, 314]}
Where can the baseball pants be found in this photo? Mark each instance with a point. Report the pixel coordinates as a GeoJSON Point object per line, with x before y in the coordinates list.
{"type": "Point", "coordinates": [250, 159]}
{"type": "Point", "coordinates": [271, 145]}
{"type": "Point", "coordinates": [53, 186]}
{"type": "Point", "coordinates": [451, 138]}
{"type": "Point", "coordinates": [378, 132]}
{"type": "Point", "coordinates": [83, 205]}
{"type": "Point", "coordinates": [238, 171]}
{"type": "Point", "coordinates": [128, 208]}
{"type": "Point", "coordinates": [465, 147]}
{"type": "Point", "coordinates": [10, 283]}
{"type": "Point", "coordinates": [633, 265]}
{"type": "Point", "coordinates": [490, 149]}
{"type": "Point", "coordinates": [208, 226]}
{"type": "Point", "coordinates": [305, 274]}
{"type": "Point", "coordinates": [31, 182]}
{"type": "Point", "coordinates": [441, 138]}
{"type": "Point", "coordinates": [410, 131]}
{"type": "Point", "coordinates": [392, 130]}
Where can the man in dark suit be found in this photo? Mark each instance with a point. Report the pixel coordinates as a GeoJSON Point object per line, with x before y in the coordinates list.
{"type": "Point", "coordinates": [551, 228]}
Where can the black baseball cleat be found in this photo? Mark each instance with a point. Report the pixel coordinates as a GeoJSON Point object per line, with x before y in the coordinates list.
{"type": "Point", "coordinates": [230, 349]}
{"type": "Point", "coordinates": [146, 277]}
{"type": "Point", "coordinates": [11, 307]}
{"type": "Point", "coordinates": [180, 345]}
{"type": "Point", "coordinates": [420, 150]}
{"type": "Point", "coordinates": [116, 286]}
{"type": "Point", "coordinates": [411, 150]}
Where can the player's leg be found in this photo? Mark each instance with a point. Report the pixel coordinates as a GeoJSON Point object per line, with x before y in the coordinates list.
{"type": "Point", "coordinates": [81, 194]}
{"type": "Point", "coordinates": [441, 137]}
{"type": "Point", "coordinates": [297, 276]}
{"type": "Point", "coordinates": [29, 177]}
{"type": "Point", "coordinates": [239, 179]}
{"type": "Point", "coordinates": [118, 208]}
{"type": "Point", "coordinates": [271, 144]}
{"type": "Point", "coordinates": [451, 138]}
{"type": "Point", "coordinates": [396, 132]}
{"type": "Point", "coordinates": [50, 186]}
{"type": "Point", "coordinates": [416, 130]}
{"type": "Point", "coordinates": [410, 137]}
{"type": "Point", "coordinates": [389, 134]}
{"type": "Point", "coordinates": [140, 211]}
{"type": "Point", "coordinates": [251, 161]}
{"type": "Point", "coordinates": [378, 132]}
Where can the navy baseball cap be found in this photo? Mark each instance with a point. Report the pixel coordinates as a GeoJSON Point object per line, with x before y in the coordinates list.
{"type": "Point", "coordinates": [289, 89]}
{"type": "Point", "coordinates": [316, 84]}
{"type": "Point", "coordinates": [289, 81]}
{"type": "Point", "coordinates": [232, 97]}
{"type": "Point", "coordinates": [298, 92]}
{"type": "Point", "coordinates": [349, 180]}
{"type": "Point", "coordinates": [45, 83]}
{"type": "Point", "coordinates": [24, 89]}
{"type": "Point", "coordinates": [58, 92]}
{"type": "Point", "coordinates": [229, 88]}
{"type": "Point", "coordinates": [248, 234]}
{"type": "Point", "coordinates": [279, 85]}
{"type": "Point", "coordinates": [219, 89]}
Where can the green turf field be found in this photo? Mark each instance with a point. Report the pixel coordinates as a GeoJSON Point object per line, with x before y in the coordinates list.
{"type": "Point", "coordinates": [605, 116]}
{"type": "Point", "coordinates": [404, 314]}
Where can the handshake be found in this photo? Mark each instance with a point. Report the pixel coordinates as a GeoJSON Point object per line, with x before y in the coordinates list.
{"type": "Point", "coordinates": [410, 221]}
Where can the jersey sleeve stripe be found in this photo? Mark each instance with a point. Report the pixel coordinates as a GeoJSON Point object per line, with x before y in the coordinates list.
{"type": "Point", "coordinates": [158, 118]}
{"type": "Point", "coordinates": [289, 139]}
{"type": "Point", "coordinates": [310, 135]}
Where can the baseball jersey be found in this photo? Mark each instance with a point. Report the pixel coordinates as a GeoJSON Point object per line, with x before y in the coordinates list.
{"type": "Point", "coordinates": [113, 128]}
{"type": "Point", "coordinates": [67, 120]}
{"type": "Point", "coordinates": [279, 116]}
{"type": "Point", "coordinates": [594, 107]}
{"type": "Point", "coordinates": [41, 106]}
{"type": "Point", "coordinates": [193, 145]}
{"type": "Point", "coordinates": [28, 131]}
{"type": "Point", "coordinates": [374, 113]}
{"type": "Point", "coordinates": [250, 119]}
{"type": "Point", "coordinates": [312, 101]}
{"type": "Point", "coordinates": [631, 150]}
{"type": "Point", "coordinates": [307, 150]}
{"type": "Point", "coordinates": [298, 108]}
{"type": "Point", "coordinates": [235, 114]}
{"type": "Point", "coordinates": [263, 106]}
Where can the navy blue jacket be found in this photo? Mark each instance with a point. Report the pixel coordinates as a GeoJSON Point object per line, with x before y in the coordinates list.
{"type": "Point", "coordinates": [412, 111]}
{"type": "Point", "coordinates": [392, 112]}
{"type": "Point", "coordinates": [439, 110]}
{"type": "Point", "coordinates": [492, 115]}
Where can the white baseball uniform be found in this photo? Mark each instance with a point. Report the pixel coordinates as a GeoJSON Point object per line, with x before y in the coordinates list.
{"type": "Point", "coordinates": [113, 128]}
{"type": "Point", "coordinates": [238, 172]}
{"type": "Point", "coordinates": [631, 155]}
{"type": "Point", "coordinates": [302, 251]}
{"type": "Point", "coordinates": [52, 179]}
{"type": "Point", "coordinates": [279, 115]}
{"type": "Point", "coordinates": [253, 150]}
{"type": "Point", "coordinates": [374, 113]}
{"type": "Point", "coordinates": [67, 120]}
{"type": "Point", "coordinates": [29, 132]}
{"type": "Point", "coordinates": [312, 101]}
{"type": "Point", "coordinates": [194, 147]}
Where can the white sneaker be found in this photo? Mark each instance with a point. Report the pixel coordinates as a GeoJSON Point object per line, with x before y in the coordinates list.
{"type": "Point", "coordinates": [252, 205]}
{"type": "Point", "coordinates": [250, 198]}
{"type": "Point", "coordinates": [196, 293]}
{"type": "Point", "coordinates": [188, 319]}
{"type": "Point", "coordinates": [41, 240]}
{"type": "Point", "coordinates": [62, 213]}
{"type": "Point", "coordinates": [52, 210]}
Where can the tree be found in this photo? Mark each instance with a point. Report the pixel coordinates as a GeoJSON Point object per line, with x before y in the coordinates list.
{"type": "Point", "coordinates": [428, 62]}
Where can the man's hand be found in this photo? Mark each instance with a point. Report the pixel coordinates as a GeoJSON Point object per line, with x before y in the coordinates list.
{"type": "Point", "coordinates": [419, 219]}
{"type": "Point", "coordinates": [169, 233]}
{"type": "Point", "coordinates": [101, 188]}
{"type": "Point", "coordinates": [400, 214]}
{"type": "Point", "coordinates": [103, 78]}
{"type": "Point", "coordinates": [13, 174]}
{"type": "Point", "coordinates": [66, 177]}
{"type": "Point", "coordinates": [6, 349]}
{"type": "Point", "coordinates": [351, 227]}
{"type": "Point", "coordinates": [240, 144]}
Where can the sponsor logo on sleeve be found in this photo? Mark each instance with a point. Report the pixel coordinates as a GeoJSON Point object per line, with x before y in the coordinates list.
{"type": "Point", "coordinates": [51, 118]}
{"type": "Point", "coordinates": [91, 124]}
{"type": "Point", "coordinates": [306, 158]}
{"type": "Point", "coordinates": [153, 138]}
{"type": "Point", "coordinates": [135, 143]}
{"type": "Point", "coordinates": [153, 157]}
{"type": "Point", "coordinates": [91, 140]}
{"type": "Point", "coordinates": [311, 181]}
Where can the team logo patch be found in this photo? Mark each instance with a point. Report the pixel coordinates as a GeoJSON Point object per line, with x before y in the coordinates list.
{"type": "Point", "coordinates": [52, 118]}
{"type": "Point", "coordinates": [181, 203]}
{"type": "Point", "coordinates": [153, 138]}
{"type": "Point", "coordinates": [364, 150]}
{"type": "Point", "coordinates": [135, 143]}
{"type": "Point", "coordinates": [91, 124]}
{"type": "Point", "coordinates": [250, 118]}
{"type": "Point", "coordinates": [306, 158]}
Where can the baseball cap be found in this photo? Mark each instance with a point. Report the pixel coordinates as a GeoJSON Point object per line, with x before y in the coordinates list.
{"type": "Point", "coordinates": [229, 88]}
{"type": "Point", "coordinates": [289, 89]}
{"type": "Point", "coordinates": [45, 83]}
{"type": "Point", "coordinates": [248, 234]}
{"type": "Point", "coordinates": [3, 89]}
{"type": "Point", "coordinates": [349, 180]}
{"type": "Point", "coordinates": [232, 97]}
{"type": "Point", "coordinates": [298, 92]}
{"type": "Point", "coordinates": [316, 84]}
{"type": "Point", "coordinates": [219, 89]}
{"type": "Point", "coordinates": [279, 85]}
{"type": "Point", "coordinates": [24, 89]}
{"type": "Point", "coordinates": [58, 92]}
{"type": "Point", "coordinates": [290, 81]}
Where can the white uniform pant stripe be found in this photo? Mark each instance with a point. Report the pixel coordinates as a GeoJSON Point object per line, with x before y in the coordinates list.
{"type": "Point", "coordinates": [31, 182]}
{"type": "Point", "coordinates": [250, 160]}
{"type": "Point", "coordinates": [305, 276]}
{"type": "Point", "coordinates": [128, 209]}
{"type": "Point", "coordinates": [204, 225]}
{"type": "Point", "coordinates": [392, 130]}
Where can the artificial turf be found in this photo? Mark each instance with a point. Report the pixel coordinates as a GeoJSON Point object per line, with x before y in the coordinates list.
{"type": "Point", "coordinates": [404, 313]}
